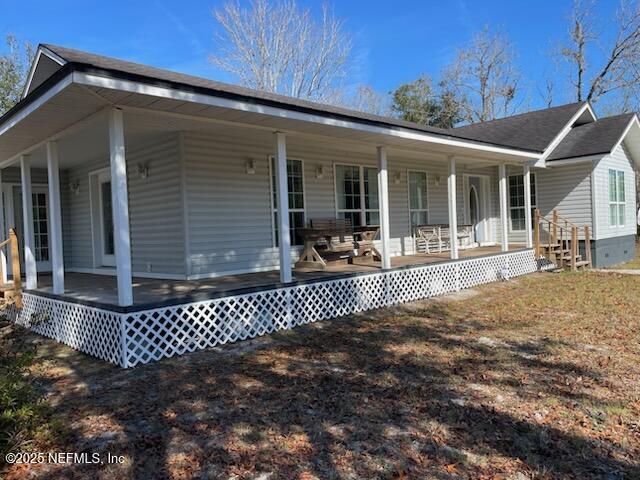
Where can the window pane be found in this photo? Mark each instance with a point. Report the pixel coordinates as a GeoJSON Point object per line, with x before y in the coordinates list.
{"type": "Point", "coordinates": [621, 193]}
{"type": "Point", "coordinates": [418, 190]}
{"type": "Point", "coordinates": [516, 191]}
{"type": "Point", "coordinates": [355, 217]}
{"type": "Point", "coordinates": [419, 218]}
{"type": "Point", "coordinates": [107, 219]}
{"type": "Point", "coordinates": [621, 214]}
{"type": "Point", "coordinates": [517, 219]}
{"type": "Point", "coordinates": [612, 186]}
{"type": "Point", "coordinates": [373, 217]}
{"type": "Point", "coordinates": [348, 187]}
{"type": "Point", "coordinates": [613, 214]}
{"type": "Point", "coordinates": [370, 188]}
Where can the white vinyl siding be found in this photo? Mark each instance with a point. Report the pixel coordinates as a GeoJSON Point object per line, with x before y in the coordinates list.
{"type": "Point", "coordinates": [618, 161]}
{"type": "Point", "coordinates": [565, 188]}
{"type": "Point", "coordinates": [155, 211]}
{"type": "Point", "coordinates": [230, 211]}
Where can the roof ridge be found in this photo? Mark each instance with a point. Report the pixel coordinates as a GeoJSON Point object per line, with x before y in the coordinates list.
{"type": "Point", "coordinates": [581, 103]}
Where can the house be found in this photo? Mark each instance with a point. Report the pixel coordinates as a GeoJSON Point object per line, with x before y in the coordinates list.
{"type": "Point", "coordinates": [161, 213]}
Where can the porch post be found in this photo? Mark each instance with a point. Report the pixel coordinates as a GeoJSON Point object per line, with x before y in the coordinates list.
{"type": "Point", "coordinates": [120, 205]}
{"type": "Point", "coordinates": [527, 205]}
{"type": "Point", "coordinates": [3, 229]}
{"type": "Point", "coordinates": [55, 223]}
{"type": "Point", "coordinates": [284, 235]}
{"type": "Point", "coordinates": [453, 212]}
{"type": "Point", "coordinates": [27, 217]}
{"type": "Point", "coordinates": [383, 204]}
{"type": "Point", "coordinates": [504, 217]}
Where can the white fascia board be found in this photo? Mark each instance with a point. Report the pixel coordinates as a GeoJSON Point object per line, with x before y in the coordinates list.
{"type": "Point", "coordinates": [41, 51]}
{"type": "Point", "coordinates": [185, 96]}
{"type": "Point", "coordinates": [563, 133]}
{"type": "Point", "coordinates": [571, 161]}
{"type": "Point", "coordinates": [633, 122]}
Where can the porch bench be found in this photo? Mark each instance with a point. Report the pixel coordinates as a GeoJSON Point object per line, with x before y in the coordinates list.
{"type": "Point", "coordinates": [438, 236]}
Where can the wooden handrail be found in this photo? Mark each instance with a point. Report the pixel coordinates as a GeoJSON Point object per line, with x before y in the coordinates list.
{"type": "Point", "coordinates": [587, 243]}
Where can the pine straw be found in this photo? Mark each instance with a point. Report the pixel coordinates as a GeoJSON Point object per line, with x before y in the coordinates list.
{"type": "Point", "coordinates": [538, 377]}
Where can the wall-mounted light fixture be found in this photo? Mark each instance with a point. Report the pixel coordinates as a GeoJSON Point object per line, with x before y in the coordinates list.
{"type": "Point", "coordinates": [397, 177]}
{"type": "Point", "coordinates": [436, 180]}
{"type": "Point", "coordinates": [320, 171]}
{"type": "Point", "coordinates": [250, 167]}
{"type": "Point", "coordinates": [74, 187]}
{"type": "Point", "coordinates": [143, 170]}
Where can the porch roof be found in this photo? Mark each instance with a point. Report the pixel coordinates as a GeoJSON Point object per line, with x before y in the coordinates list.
{"type": "Point", "coordinates": [79, 85]}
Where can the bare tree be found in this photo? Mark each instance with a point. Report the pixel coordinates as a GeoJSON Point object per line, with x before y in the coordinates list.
{"type": "Point", "coordinates": [369, 100]}
{"type": "Point", "coordinates": [547, 92]}
{"type": "Point", "coordinates": [484, 77]}
{"type": "Point", "coordinates": [618, 73]}
{"type": "Point", "coordinates": [279, 48]}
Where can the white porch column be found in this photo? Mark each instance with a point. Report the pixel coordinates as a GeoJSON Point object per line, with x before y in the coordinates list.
{"type": "Point", "coordinates": [284, 235]}
{"type": "Point", "coordinates": [120, 204]}
{"type": "Point", "coordinates": [55, 218]}
{"type": "Point", "coordinates": [527, 205]}
{"type": "Point", "coordinates": [3, 236]}
{"type": "Point", "coordinates": [504, 214]}
{"type": "Point", "coordinates": [27, 217]}
{"type": "Point", "coordinates": [453, 206]}
{"type": "Point", "coordinates": [383, 205]}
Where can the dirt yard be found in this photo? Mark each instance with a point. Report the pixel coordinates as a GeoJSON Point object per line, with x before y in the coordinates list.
{"type": "Point", "coordinates": [537, 378]}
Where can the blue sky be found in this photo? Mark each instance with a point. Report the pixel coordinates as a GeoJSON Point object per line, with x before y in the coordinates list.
{"type": "Point", "coordinates": [394, 41]}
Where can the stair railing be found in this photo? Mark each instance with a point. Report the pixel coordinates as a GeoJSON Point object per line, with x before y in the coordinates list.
{"type": "Point", "coordinates": [12, 242]}
{"type": "Point", "coordinates": [563, 234]}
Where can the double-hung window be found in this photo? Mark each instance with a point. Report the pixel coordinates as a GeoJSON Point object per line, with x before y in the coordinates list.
{"type": "Point", "coordinates": [357, 194]}
{"type": "Point", "coordinates": [295, 184]}
{"type": "Point", "coordinates": [516, 201]}
{"type": "Point", "coordinates": [617, 200]}
{"type": "Point", "coordinates": [418, 205]}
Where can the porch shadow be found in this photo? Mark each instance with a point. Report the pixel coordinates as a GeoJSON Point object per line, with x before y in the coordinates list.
{"type": "Point", "coordinates": [374, 395]}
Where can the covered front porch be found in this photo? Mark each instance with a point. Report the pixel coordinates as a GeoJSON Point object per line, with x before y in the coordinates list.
{"type": "Point", "coordinates": [137, 197]}
{"type": "Point", "coordinates": [102, 290]}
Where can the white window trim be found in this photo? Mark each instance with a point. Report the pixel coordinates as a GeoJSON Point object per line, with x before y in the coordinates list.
{"type": "Point", "coordinates": [411, 210]}
{"type": "Point", "coordinates": [363, 210]}
{"type": "Point", "coordinates": [617, 203]}
{"type": "Point", "coordinates": [274, 210]}
{"type": "Point", "coordinates": [533, 205]}
{"type": "Point", "coordinates": [97, 238]}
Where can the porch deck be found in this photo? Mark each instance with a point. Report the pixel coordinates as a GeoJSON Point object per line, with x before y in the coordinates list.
{"type": "Point", "coordinates": [101, 290]}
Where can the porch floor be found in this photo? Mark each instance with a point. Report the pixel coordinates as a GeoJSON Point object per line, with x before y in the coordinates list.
{"type": "Point", "coordinates": [102, 289]}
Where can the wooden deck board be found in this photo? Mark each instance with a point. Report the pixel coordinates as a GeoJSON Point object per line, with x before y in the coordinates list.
{"type": "Point", "coordinates": [103, 288]}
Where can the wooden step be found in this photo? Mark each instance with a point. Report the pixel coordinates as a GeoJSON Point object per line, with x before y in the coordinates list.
{"type": "Point", "coordinates": [583, 263]}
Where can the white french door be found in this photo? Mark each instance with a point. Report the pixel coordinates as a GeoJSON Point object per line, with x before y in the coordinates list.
{"type": "Point", "coordinates": [41, 226]}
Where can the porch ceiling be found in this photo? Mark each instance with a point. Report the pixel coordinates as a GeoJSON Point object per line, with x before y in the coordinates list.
{"type": "Point", "coordinates": [73, 115]}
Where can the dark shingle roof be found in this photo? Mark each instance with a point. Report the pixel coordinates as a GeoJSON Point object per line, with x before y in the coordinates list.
{"type": "Point", "coordinates": [594, 138]}
{"type": "Point", "coordinates": [220, 88]}
{"type": "Point", "coordinates": [533, 130]}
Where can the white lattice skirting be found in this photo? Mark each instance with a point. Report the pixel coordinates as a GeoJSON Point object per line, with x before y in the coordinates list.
{"type": "Point", "coordinates": [130, 339]}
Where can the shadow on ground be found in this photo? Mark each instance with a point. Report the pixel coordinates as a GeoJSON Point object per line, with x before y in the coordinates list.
{"type": "Point", "coordinates": [410, 392]}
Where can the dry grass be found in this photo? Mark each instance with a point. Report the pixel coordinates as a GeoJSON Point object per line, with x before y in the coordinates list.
{"type": "Point", "coordinates": [633, 264]}
{"type": "Point", "coordinates": [539, 377]}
